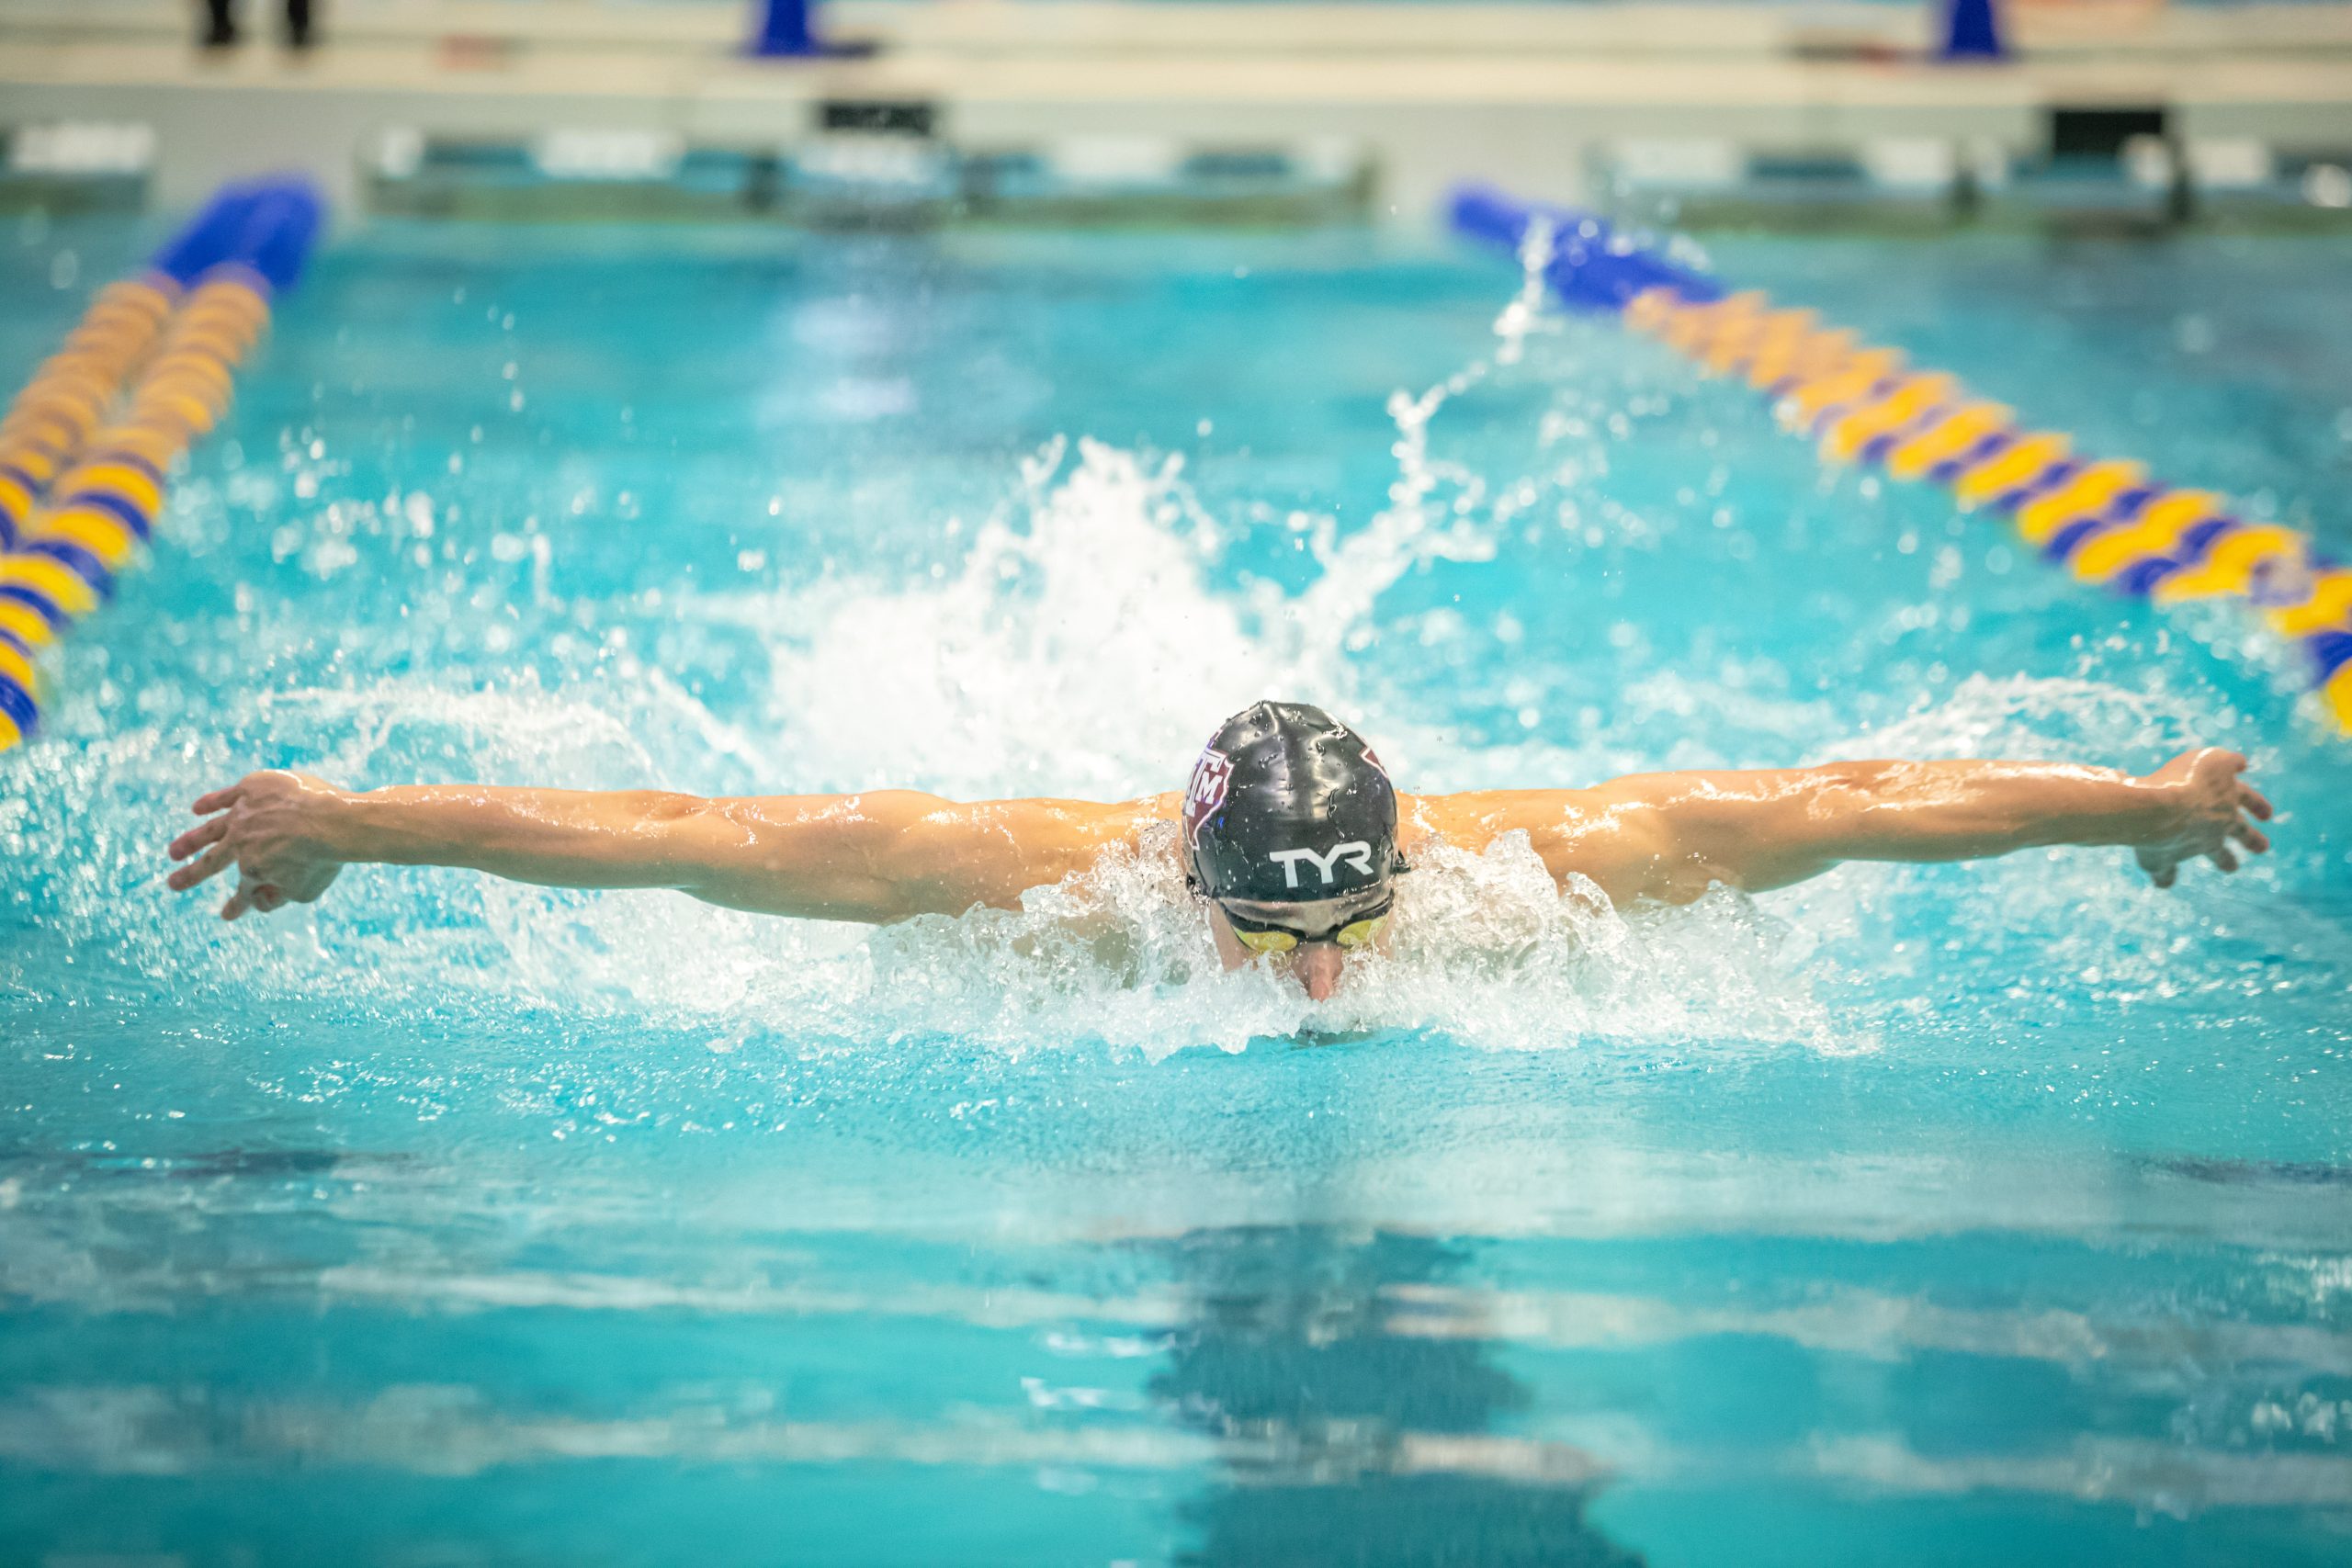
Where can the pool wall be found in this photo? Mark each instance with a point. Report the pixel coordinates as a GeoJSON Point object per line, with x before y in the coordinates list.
{"type": "Point", "coordinates": [1672, 101]}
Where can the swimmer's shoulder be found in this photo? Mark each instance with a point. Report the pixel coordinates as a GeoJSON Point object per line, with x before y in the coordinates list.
{"type": "Point", "coordinates": [1471, 820]}
{"type": "Point", "coordinates": [1149, 826]}
{"type": "Point", "coordinates": [1073, 832]}
{"type": "Point", "coordinates": [996, 849]}
{"type": "Point", "coordinates": [1594, 833]}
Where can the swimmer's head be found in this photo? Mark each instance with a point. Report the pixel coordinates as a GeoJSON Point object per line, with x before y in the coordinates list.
{"type": "Point", "coordinates": [1290, 828]}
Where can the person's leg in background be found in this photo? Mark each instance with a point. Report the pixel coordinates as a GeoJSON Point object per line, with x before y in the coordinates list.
{"type": "Point", "coordinates": [221, 24]}
{"type": "Point", "coordinates": [297, 24]}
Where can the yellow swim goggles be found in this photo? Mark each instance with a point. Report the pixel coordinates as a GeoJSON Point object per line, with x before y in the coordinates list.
{"type": "Point", "coordinates": [1270, 937]}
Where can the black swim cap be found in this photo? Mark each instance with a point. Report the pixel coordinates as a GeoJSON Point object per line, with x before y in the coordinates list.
{"type": "Point", "coordinates": [1289, 806]}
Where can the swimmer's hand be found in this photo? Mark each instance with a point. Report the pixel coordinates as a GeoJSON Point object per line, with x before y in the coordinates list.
{"type": "Point", "coordinates": [2209, 806]}
{"type": "Point", "coordinates": [270, 827]}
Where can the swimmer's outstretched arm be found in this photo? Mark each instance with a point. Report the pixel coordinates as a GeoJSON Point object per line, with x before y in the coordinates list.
{"type": "Point", "coordinates": [885, 855]}
{"type": "Point", "coordinates": [1669, 837]}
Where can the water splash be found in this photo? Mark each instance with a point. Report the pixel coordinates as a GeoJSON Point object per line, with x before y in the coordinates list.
{"type": "Point", "coordinates": [1086, 638]}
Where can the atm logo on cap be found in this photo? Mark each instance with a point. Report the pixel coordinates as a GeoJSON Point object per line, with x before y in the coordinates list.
{"type": "Point", "coordinates": [1355, 852]}
{"type": "Point", "coordinates": [1212, 775]}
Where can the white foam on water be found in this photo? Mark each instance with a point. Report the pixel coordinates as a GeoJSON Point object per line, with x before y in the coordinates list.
{"type": "Point", "coordinates": [1487, 952]}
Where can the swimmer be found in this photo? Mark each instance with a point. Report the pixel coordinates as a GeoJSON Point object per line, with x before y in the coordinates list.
{"type": "Point", "coordinates": [1290, 835]}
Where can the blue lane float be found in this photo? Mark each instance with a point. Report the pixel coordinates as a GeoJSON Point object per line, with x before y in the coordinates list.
{"type": "Point", "coordinates": [2106, 521]}
{"type": "Point", "coordinates": [87, 447]}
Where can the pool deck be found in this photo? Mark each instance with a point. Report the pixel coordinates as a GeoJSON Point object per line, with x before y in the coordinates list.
{"type": "Point", "coordinates": [1516, 94]}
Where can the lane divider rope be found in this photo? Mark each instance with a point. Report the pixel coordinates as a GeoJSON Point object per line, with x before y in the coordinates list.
{"type": "Point", "coordinates": [2106, 521]}
{"type": "Point", "coordinates": [88, 446]}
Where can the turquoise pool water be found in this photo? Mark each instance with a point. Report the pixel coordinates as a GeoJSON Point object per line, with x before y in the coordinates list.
{"type": "Point", "coordinates": [1938, 1216]}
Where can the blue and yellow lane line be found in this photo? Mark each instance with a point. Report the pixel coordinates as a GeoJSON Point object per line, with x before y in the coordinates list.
{"type": "Point", "coordinates": [2108, 522]}
{"type": "Point", "coordinates": [87, 447]}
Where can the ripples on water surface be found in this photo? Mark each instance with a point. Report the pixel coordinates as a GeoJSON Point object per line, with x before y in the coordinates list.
{"type": "Point", "coordinates": [1932, 1215]}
